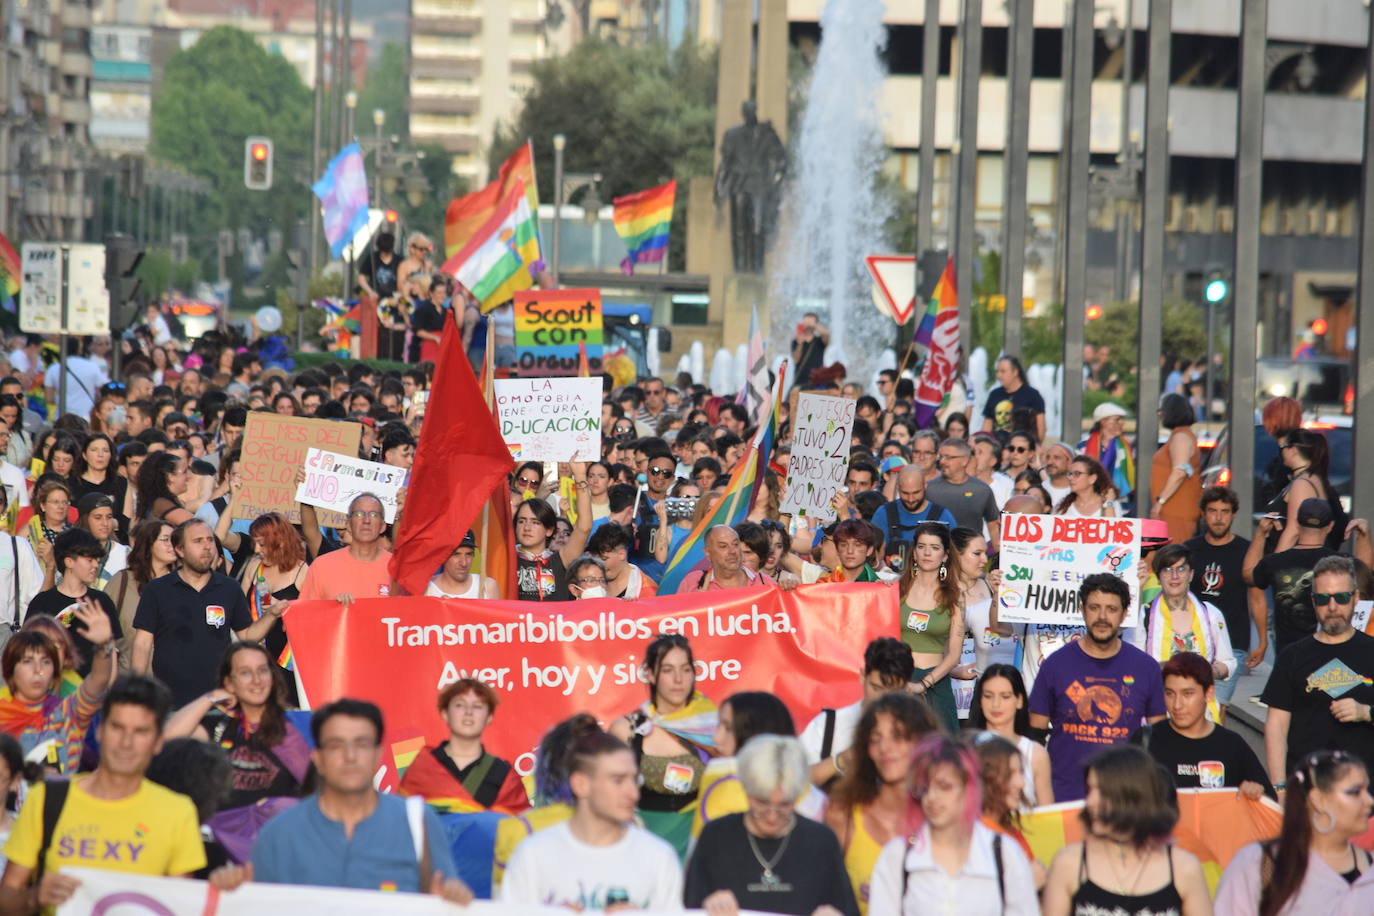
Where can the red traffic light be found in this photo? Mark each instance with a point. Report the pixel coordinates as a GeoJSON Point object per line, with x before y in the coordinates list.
{"type": "Point", "coordinates": [392, 216]}
{"type": "Point", "coordinates": [1319, 326]}
{"type": "Point", "coordinates": [259, 151]}
{"type": "Point", "coordinates": [1094, 312]}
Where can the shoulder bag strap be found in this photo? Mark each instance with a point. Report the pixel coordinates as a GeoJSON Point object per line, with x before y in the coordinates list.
{"type": "Point", "coordinates": [54, 799]}
{"type": "Point", "coordinates": [997, 862]}
{"type": "Point", "coordinates": [828, 739]}
{"type": "Point", "coordinates": [14, 548]}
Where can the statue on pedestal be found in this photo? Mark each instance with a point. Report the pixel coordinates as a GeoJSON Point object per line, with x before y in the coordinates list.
{"type": "Point", "coordinates": [752, 162]}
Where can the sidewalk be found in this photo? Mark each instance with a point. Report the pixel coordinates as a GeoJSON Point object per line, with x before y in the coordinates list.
{"type": "Point", "coordinates": [1251, 684]}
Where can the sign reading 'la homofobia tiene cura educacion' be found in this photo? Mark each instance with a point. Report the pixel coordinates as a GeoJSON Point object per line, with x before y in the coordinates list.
{"type": "Point", "coordinates": [1044, 558]}
{"type": "Point", "coordinates": [550, 419]}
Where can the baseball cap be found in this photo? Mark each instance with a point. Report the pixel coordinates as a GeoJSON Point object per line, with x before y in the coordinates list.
{"type": "Point", "coordinates": [468, 541]}
{"type": "Point", "coordinates": [893, 462]}
{"type": "Point", "coordinates": [92, 501]}
{"type": "Point", "coordinates": [1314, 513]}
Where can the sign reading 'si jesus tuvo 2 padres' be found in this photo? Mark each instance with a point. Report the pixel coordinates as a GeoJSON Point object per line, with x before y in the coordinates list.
{"type": "Point", "coordinates": [550, 419]}
{"type": "Point", "coordinates": [1045, 557]}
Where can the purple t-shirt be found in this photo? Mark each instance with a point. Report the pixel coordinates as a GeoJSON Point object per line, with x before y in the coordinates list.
{"type": "Point", "coordinates": [1092, 704]}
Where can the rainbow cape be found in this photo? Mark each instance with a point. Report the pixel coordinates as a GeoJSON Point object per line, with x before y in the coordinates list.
{"type": "Point", "coordinates": [643, 220]}
{"type": "Point", "coordinates": [738, 498]}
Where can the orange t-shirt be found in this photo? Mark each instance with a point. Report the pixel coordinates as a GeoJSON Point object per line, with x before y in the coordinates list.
{"type": "Point", "coordinates": [338, 573]}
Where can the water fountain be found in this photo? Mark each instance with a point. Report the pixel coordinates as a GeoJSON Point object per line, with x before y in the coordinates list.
{"type": "Point", "coordinates": [832, 215]}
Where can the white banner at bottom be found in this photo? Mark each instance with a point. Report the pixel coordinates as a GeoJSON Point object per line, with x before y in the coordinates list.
{"type": "Point", "coordinates": [109, 893]}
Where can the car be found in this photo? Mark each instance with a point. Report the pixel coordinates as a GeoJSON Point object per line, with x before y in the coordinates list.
{"type": "Point", "coordinates": [1216, 467]}
{"type": "Point", "coordinates": [1320, 385]}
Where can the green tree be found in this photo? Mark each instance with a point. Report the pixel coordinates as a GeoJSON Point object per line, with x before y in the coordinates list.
{"type": "Point", "coordinates": [637, 115]}
{"type": "Point", "coordinates": [212, 97]}
{"type": "Point", "coordinates": [386, 89]}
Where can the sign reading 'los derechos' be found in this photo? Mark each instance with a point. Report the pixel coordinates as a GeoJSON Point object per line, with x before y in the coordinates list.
{"type": "Point", "coordinates": [1044, 558]}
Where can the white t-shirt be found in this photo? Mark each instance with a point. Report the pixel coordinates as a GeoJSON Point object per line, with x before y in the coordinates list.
{"type": "Point", "coordinates": [20, 362]}
{"type": "Point", "coordinates": [16, 487]}
{"type": "Point", "coordinates": [84, 378]}
{"type": "Point", "coordinates": [474, 589]}
{"type": "Point", "coordinates": [813, 736]}
{"type": "Point", "coordinates": [1002, 488]}
{"type": "Point", "coordinates": [1056, 493]}
{"type": "Point", "coordinates": [554, 868]}
{"type": "Point", "coordinates": [989, 647]}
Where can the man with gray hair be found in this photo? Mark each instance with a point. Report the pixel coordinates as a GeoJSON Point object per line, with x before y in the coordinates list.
{"type": "Point", "coordinates": [1321, 692]}
{"type": "Point", "coordinates": [925, 445]}
{"type": "Point", "coordinates": [768, 859]}
{"type": "Point", "coordinates": [360, 569]}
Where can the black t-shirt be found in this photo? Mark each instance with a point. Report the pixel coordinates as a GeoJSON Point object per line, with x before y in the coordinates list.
{"type": "Point", "coordinates": [1001, 404]}
{"type": "Point", "coordinates": [810, 873]}
{"type": "Point", "coordinates": [542, 578]}
{"type": "Point", "coordinates": [52, 602]}
{"type": "Point", "coordinates": [425, 317]}
{"type": "Point", "coordinates": [381, 275]}
{"type": "Point", "coordinates": [1289, 574]}
{"type": "Point", "coordinates": [191, 629]}
{"type": "Point", "coordinates": [1218, 578]}
{"type": "Point", "coordinates": [1219, 760]}
{"type": "Point", "coordinates": [1307, 677]}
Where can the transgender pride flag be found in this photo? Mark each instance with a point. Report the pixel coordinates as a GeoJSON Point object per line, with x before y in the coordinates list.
{"type": "Point", "coordinates": [343, 195]}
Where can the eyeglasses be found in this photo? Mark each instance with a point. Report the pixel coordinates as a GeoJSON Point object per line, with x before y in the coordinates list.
{"type": "Point", "coordinates": [1177, 571]}
{"type": "Point", "coordinates": [591, 580]}
{"type": "Point", "coordinates": [362, 514]}
{"type": "Point", "coordinates": [339, 746]}
{"type": "Point", "coordinates": [1076, 474]}
{"type": "Point", "coordinates": [763, 807]}
{"type": "Point", "coordinates": [661, 472]}
{"type": "Point", "coordinates": [420, 248]}
{"type": "Point", "coordinates": [1321, 599]}
{"type": "Point", "coordinates": [924, 451]}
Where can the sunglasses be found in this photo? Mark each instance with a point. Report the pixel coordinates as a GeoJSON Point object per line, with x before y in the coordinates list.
{"type": "Point", "coordinates": [1322, 599]}
{"type": "Point", "coordinates": [527, 482]}
{"type": "Point", "coordinates": [660, 472]}
{"type": "Point", "coordinates": [1019, 449]}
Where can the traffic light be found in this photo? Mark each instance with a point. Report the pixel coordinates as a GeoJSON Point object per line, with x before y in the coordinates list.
{"type": "Point", "coordinates": [297, 275]}
{"type": "Point", "coordinates": [122, 257]}
{"type": "Point", "coordinates": [1094, 312]}
{"type": "Point", "coordinates": [392, 217]}
{"type": "Point", "coordinates": [1217, 288]}
{"type": "Point", "coordinates": [257, 163]}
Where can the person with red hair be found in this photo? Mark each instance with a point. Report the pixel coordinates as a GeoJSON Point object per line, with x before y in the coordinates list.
{"type": "Point", "coordinates": [913, 875]}
{"type": "Point", "coordinates": [273, 576]}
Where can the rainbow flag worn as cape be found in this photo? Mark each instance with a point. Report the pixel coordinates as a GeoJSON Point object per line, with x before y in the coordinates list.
{"type": "Point", "coordinates": [1213, 824]}
{"type": "Point", "coordinates": [11, 275]}
{"type": "Point", "coordinates": [694, 723]}
{"type": "Point", "coordinates": [259, 600]}
{"type": "Point", "coordinates": [738, 498]}
{"type": "Point", "coordinates": [643, 220]}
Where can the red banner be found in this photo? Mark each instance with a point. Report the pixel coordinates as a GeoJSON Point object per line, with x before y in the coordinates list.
{"type": "Point", "coordinates": [548, 661]}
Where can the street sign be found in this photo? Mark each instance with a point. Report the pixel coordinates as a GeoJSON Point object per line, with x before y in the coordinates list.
{"type": "Point", "coordinates": [88, 302]}
{"type": "Point", "coordinates": [894, 284]}
{"type": "Point", "coordinates": [40, 309]}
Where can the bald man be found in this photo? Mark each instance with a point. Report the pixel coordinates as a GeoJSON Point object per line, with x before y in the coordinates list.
{"type": "Point", "coordinates": [898, 519]}
{"type": "Point", "coordinates": [724, 565]}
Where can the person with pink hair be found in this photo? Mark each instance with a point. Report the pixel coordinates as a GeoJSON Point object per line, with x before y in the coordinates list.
{"type": "Point", "coordinates": [949, 859]}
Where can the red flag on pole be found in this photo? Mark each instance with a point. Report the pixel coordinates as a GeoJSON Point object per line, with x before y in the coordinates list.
{"type": "Point", "coordinates": [460, 460]}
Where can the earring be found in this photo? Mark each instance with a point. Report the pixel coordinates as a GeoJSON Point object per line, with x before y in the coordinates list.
{"type": "Point", "coordinates": [943, 572]}
{"type": "Point", "coordinates": [1329, 827]}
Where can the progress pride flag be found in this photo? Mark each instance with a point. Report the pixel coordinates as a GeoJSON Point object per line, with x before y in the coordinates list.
{"type": "Point", "coordinates": [548, 661]}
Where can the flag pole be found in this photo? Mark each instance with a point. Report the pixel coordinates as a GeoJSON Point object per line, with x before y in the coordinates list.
{"type": "Point", "coordinates": [488, 372]}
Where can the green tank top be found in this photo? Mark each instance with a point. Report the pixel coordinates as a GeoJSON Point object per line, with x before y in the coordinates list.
{"type": "Point", "coordinates": [925, 631]}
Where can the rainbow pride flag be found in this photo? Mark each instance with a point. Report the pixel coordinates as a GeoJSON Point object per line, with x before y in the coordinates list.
{"type": "Point", "coordinates": [11, 275]}
{"type": "Point", "coordinates": [737, 500]}
{"type": "Point", "coordinates": [939, 333]}
{"type": "Point", "coordinates": [643, 220]}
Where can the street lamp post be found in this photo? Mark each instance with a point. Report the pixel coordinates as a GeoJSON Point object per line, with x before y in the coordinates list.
{"type": "Point", "coordinates": [378, 119]}
{"type": "Point", "coordinates": [559, 142]}
{"type": "Point", "coordinates": [351, 104]}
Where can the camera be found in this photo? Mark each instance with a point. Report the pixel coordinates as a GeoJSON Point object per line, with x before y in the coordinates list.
{"type": "Point", "coordinates": [680, 507]}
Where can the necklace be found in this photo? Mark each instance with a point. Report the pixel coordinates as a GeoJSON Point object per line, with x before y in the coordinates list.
{"type": "Point", "coordinates": [769, 882]}
{"type": "Point", "coordinates": [1118, 875]}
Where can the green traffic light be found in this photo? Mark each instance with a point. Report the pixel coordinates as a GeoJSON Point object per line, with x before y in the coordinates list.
{"type": "Point", "coordinates": [1215, 291]}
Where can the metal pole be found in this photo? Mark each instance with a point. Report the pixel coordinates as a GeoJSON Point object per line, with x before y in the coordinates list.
{"type": "Point", "coordinates": [1125, 208]}
{"type": "Point", "coordinates": [1015, 163]}
{"type": "Point", "coordinates": [335, 83]}
{"type": "Point", "coordinates": [559, 142]}
{"type": "Point", "coordinates": [317, 118]}
{"type": "Point", "coordinates": [1151, 332]}
{"type": "Point", "coordinates": [1076, 228]}
{"type": "Point", "coordinates": [970, 68]}
{"type": "Point", "coordinates": [1061, 185]}
{"type": "Point", "coordinates": [62, 337]}
{"type": "Point", "coordinates": [1363, 494]}
{"type": "Point", "coordinates": [1245, 297]}
{"type": "Point", "coordinates": [346, 70]}
{"type": "Point", "coordinates": [925, 179]}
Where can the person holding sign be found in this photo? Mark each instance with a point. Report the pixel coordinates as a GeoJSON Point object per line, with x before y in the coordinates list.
{"type": "Point", "coordinates": [360, 570]}
{"type": "Point", "coordinates": [541, 572]}
{"type": "Point", "coordinates": [932, 619]}
{"type": "Point", "coordinates": [1094, 691]}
